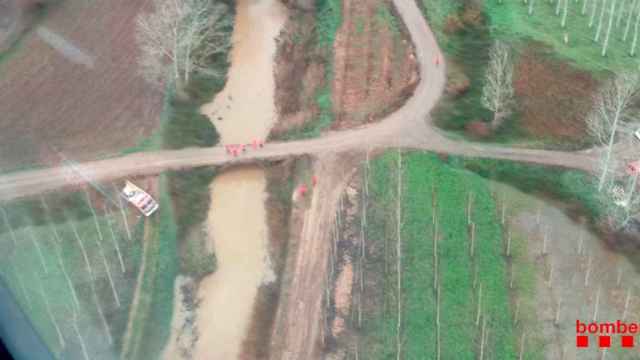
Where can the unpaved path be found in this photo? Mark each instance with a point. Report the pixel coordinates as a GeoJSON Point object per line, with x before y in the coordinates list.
{"type": "Point", "coordinates": [386, 134]}
{"type": "Point", "coordinates": [409, 127]}
{"type": "Point", "coordinates": [299, 320]}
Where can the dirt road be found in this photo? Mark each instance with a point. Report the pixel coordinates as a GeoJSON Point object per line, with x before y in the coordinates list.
{"type": "Point", "coordinates": [408, 127]}
{"type": "Point", "coordinates": [395, 131]}
{"type": "Point", "coordinates": [299, 319]}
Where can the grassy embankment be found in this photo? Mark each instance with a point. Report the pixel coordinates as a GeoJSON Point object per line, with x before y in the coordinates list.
{"type": "Point", "coordinates": [328, 21]}
{"type": "Point", "coordinates": [151, 325]}
{"type": "Point", "coordinates": [570, 186]}
{"type": "Point", "coordinates": [46, 240]}
{"type": "Point", "coordinates": [184, 203]}
{"type": "Point", "coordinates": [423, 178]}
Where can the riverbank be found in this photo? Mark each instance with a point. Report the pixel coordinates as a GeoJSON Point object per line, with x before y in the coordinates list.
{"type": "Point", "coordinates": [281, 178]}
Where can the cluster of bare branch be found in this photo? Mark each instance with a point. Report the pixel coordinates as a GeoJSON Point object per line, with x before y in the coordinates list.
{"type": "Point", "coordinates": [180, 37]}
{"type": "Point", "coordinates": [612, 123]}
{"type": "Point", "coordinates": [498, 93]}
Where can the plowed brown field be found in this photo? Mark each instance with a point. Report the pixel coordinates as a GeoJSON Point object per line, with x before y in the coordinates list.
{"type": "Point", "coordinates": [375, 69]}
{"type": "Point", "coordinates": [48, 101]}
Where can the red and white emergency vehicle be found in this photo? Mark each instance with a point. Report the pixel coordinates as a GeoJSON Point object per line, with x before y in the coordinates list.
{"type": "Point", "coordinates": [140, 199]}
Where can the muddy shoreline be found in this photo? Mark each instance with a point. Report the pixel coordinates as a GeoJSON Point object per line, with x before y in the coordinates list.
{"type": "Point", "coordinates": [279, 189]}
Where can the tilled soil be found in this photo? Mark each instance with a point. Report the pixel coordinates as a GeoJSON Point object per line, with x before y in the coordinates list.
{"type": "Point", "coordinates": [50, 102]}
{"type": "Point", "coordinates": [375, 68]}
{"type": "Point", "coordinates": [298, 325]}
{"type": "Point", "coordinates": [554, 98]}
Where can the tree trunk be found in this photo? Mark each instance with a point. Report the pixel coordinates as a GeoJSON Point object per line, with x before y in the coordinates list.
{"type": "Point", "coordinates": [531, 3]}
{"type": "Point", "coordinates": [596, 306]}
{"type": "Point", "coordinates": [584, 7]}
{"type": "Point", "coordinates": [38, 249]}
{"type": "Point", "coordinates": [522, 340]}
{"type": "Point", "coordinates": [123, 212]}
{"type": "Point", "coordinates": [600, 21]}
{"type": "Point", "coordinates": [635, 36]}
{"type": "Point", "coordinates": [606, 39]}
{"type": "Point", "coordinates": [628, 25]}
{"type": "Point", "coordinates": [74, 323]}
{"type": "Point", "coordinates": [614, 129]}
{"type": "Point", "coordinates": [399, 257]}
{"type": "Point", "coordinates": [626, 305]}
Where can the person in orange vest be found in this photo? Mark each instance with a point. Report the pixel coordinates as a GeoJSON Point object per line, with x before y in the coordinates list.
{"type": "Point", "coordinates": [314, 180]}
{"type": "Point", "coordinates": [302, 190]}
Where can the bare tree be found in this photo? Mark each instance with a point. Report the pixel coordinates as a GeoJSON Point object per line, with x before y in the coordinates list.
{"type": "Point", "coordinates": [588, 272]}
{"type": "Point", "coordinates": [632, 10]}
{"type": "Point", "coordinates": [531, 3]}
{"type": "Point", "coordinates": [121, 206]}
{"type": "Point", "coordinates": [399, 257]}
{"type": "Point", "coordinates": [583, 11]}
{"type": "Point", "coordinates": [612, 116]}
{"type": "Point", "coordinates": [632, 52]}
{"type": "Point", "coordinates": [74, 323]}
{"type": "Point", "coordinates": [596, 307]}
{"type": "Point", "coordinates": [179, 38]}
{"type": "Point", "coordinates": [498, 93]}
{"type": "Point", "coordinates": [5, 217]}
{"type": "Point", "coordinates": [54, 322]}
{"type": "Point", "coordinates": [558, 3]}
{"type": "Point", "coordinates": [563, 23]}
{"type": "Point", "coordinates": [600, 21]}
{"type": "Point", "coordinates": [36, 244]}
{"type": "Point", "coordinates": [522, 342]}
{"type": "Point", "coordinates": [622, 200]}
{"type": "Point", "coordinates": [605, 45]}
{"type": "Point", "coordinates": [626, 305]}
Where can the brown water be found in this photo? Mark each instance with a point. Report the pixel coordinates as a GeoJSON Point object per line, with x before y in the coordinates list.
{"type": "Point", "coordinates": [243, 111]}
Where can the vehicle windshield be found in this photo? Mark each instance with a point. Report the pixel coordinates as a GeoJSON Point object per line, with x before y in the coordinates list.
{"type": "Point", "coordinates": [319, 179]}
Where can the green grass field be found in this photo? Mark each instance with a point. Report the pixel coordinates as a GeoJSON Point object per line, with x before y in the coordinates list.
{"type": "Point", "coordinates": [423, 176]}
{"type": "Point", "coordinates": [151, 325]}
{"type": "Point", "coordinates": [570, 186]}
{"type": "Point", "coordinates": [42, 257]}
{"type": "Point", "coordinates": [510, 21]}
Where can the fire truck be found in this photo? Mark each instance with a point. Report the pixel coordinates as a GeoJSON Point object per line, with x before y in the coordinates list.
{"type": "Point", "coordinates": [139, 198]}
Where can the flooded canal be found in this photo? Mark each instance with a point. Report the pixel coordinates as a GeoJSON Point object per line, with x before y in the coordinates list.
{"type": "Point", "coordinates": [244, 111]}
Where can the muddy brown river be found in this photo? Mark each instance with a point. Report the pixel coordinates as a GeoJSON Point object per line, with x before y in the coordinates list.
{"type": "Point", "coordinates": [244, 111]}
